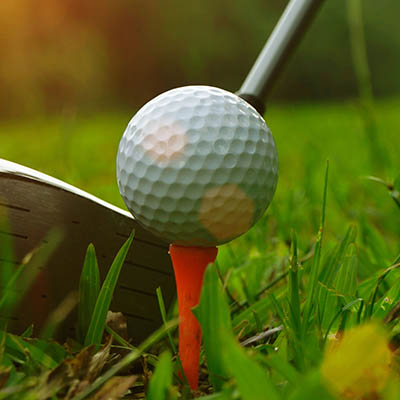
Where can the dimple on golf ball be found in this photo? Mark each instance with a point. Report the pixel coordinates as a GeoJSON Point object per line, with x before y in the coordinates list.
{"type": "Point", "coordinates": [197, 166]}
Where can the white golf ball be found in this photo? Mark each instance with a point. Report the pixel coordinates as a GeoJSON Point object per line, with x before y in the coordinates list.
{"type": "Point", "coordinates": [197, 166]}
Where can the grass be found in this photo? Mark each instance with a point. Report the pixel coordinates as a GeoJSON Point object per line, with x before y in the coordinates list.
{"type": "Point", "coordinates": [321, 265]}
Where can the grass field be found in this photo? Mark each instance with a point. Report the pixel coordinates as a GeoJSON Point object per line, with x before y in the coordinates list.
{"type": "Point", "coordinates": [315, 281]}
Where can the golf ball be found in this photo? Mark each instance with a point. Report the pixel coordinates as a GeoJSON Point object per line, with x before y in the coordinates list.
{"type": "Point", "coordinates": [197, 166]}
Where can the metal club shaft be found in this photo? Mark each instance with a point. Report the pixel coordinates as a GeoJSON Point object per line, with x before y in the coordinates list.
{"type": "Point", "coordinates": [291, 27]}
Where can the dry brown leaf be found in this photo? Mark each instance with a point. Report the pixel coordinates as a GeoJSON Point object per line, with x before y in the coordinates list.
{"type": "Point", "coordinates": [52, 382]}
{"type": "Point", "coordinates": [75, 388]}
{"type": "Point", "coordinates": [70, 373]}
{"type": "Point", "coordinates": [98, 360]}
{"type": "Point", "coordinates": [79, 368]}
{"type": "Point", "coordinates": [87, 366]}
{"type": "Point", "coordinates": [4, 375]}
{"type": "Point", "coordinates": [115, 388]}
{"type": "Point", "coordinates": [80, 365]}
{"type": "Point", "coordinates": [117, 322]}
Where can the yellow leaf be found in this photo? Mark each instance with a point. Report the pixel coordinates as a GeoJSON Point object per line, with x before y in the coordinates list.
{"type": "Point", "coordinates": [359, 363]}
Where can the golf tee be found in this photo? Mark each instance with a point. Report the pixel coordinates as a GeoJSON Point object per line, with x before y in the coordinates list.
{"type": "Point", "coordinates": [189, 265]}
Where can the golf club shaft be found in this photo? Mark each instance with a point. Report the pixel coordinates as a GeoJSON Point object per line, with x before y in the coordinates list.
{"type": "Point", "coordinates": [293, 23]}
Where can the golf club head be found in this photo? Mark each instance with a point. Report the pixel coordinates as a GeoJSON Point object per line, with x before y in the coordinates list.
{"type": "Point", "coordinates": [35, 204]}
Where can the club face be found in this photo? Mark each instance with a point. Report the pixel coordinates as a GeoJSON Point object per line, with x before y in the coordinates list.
{"type": "Point", "coordinates": [35, 204]}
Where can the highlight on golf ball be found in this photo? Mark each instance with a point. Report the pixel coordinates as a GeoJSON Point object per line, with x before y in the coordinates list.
{"type": "Point", "coordinates": [197, 166]}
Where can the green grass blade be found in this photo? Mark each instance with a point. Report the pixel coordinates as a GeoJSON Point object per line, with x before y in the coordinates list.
{"type": "Point", "coordinates": [89, 288]}
{"type": "Point", "coordinates": [98, 320]}
{"type": "Point", "coordinates": [214, 317]}
{"type": "Point", "coordinates": [284, 368]}
{"type": "Point", "coordinates": [279, 310]}
{"type": "Point", "coordinates": [312, 387]}
{"type": "Point", "coordinates": [163, 312]}
{"type": "Point", "coordinates": [161, 380]}
{"type": "Point", "coordinates": [375, 243]}
{"type": "Point", "coordinates": [387, 301]}
{"type": "Point", "coordinates": [359, 312]}
{"type": "Point", "coordinates": [294, 298]}
{"type": "Point", "coordinates": [327, 275]}
{"type": "Point", "coordinates": [314, 273]}
{"type": "Point", "coordinates": [341, 311]}
{"type": "Point", "coordinates": [332, 266]}
{"type": "Point", "coordinates": [123, 342]}
{"type": "Point", "coordinates": [223, 352]}
{"type": "Point", "coordinates": [28, 332]}
{"type": "Point", "coordinates": [252, 380]}
{"type": "Point", "coordinates": [261, 308]}
{"type": "Point", "coordinates": [346, 280]}
{"type": "Point", "coordinates": [380, 280]}
{"type": "Point", "coordinates": [15, 345]}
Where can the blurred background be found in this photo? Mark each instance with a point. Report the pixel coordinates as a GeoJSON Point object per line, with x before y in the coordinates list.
{"type": "Point", "coordinates": [73, 73]}
{"type": "Point", "coordinates": [84, 56]}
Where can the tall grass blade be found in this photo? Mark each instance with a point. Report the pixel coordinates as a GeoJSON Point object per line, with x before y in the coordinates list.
{"type": "Point", "coordinates": [333, 263]}
{"type": "Point", "coordinates": [375, 244]}
{"type": "Point", "coordinates": [294, 297]}
{"type": "Point", "coordinates": [161, 381]}
{"type": "Point", "coordinates": [346, 280]}
{"type": "Point", "coordinates": [262, 308]}
{"type": "Point", "coordinates": [98, 320]}
{"type": "Point", "coordinates": [314, 273]}
{"type": "Point", "coordinates": [163, 312]}
{"type": "Point", "coordinates": [342, 310]}
{"type": "Point", "coordinates": [283, 368]}
{"type": "Point", "coordinates": [223, 353]}
{"type": "Point", "coordinates": [387, 301]}
{"type": "Point", "coordinates": [89, 288]}
{"type": "Point", "coordinates": [294, 318]}
{"type": "Point", "coordinates": [379, 282]}
{"type": "Point", "coordinates": [214, 317]}
{"type": "Point", "coordinates": [252, 380]}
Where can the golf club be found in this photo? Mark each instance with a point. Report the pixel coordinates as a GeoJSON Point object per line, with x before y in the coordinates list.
{"type": "Point", "coordinates": [35, 203]}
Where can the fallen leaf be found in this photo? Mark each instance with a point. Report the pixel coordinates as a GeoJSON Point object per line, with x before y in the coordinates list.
{"type": "Point", "coordinates": [4, 375]}
{"type": "Point", "coordinates": [98, 360]}
{"type": "Point", "coordinates": [87, 366]}
{"type": "Point", "coordinates": [114, 388]}
{"type": "Point", "coordinates": [117, 322]}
